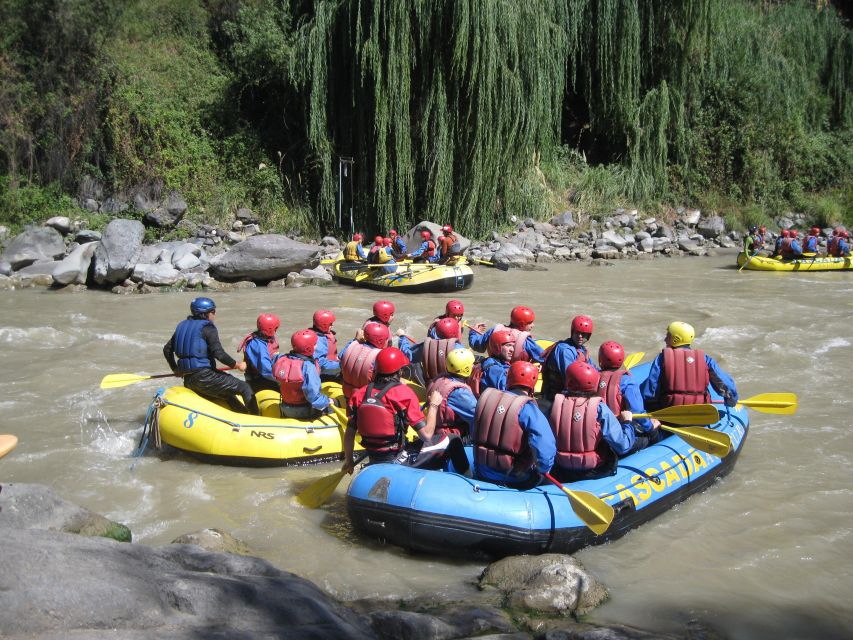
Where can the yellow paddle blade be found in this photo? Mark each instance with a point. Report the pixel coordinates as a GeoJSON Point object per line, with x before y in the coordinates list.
{"type": "Point", "coordinates": [595, 512]}
{"type": "Point", "coordinates": [685, 414]}
{"type": "Point", "coordinates": [782, 403]}
{"type": "Point", "coordinates": [707, 440]}
{"type": "Point", "coordinates": [7, 443]}
{"type": "Point", "coordinates": [316, 494]}
{"type": "Point", "coordinates": [633, 359]}
{"type": "Point", "coordinates": [114, 380]}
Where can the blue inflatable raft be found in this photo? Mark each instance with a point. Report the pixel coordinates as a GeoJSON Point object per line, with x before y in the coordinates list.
{"type": "Point", "coordinates": [445, 513]}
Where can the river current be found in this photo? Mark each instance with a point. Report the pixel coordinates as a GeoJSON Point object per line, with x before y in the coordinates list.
{"type": "Point", "coordinates": [764, 553]}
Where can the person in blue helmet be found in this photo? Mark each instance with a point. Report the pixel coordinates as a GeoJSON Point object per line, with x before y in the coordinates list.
{"type": "Point", "coordinates": [561, 354]}
{"type": "Point", "coordinates": [514, 443]}
{"type": "Point", "coordinates": [298, 374]}
{"type": "Point", "coordinates": [260, 349]}
{"type": "Point", "coordinates": [195, 343]}
{"type": "Point", "coordinates": [590, 438]}
{"type": "Point", "coordinates": [326, 351]}
{"type": "Point", "coordinates": [681, 374]}
{"type": "Point", "coordinates": [427, 251]}
{"type": "Point", "coordinates": [521, 321]}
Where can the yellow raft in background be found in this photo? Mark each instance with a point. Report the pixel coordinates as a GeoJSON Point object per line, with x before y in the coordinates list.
{"type": "Point", "coordinates": [409, 277]}
{"type": "Point", "coordinates": [764, 263]}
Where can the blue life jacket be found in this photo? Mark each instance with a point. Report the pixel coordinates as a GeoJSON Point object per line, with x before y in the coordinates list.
{"type": "Point", "coordinates": [190, 346]}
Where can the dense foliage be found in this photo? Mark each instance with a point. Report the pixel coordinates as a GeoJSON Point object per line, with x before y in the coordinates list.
{"type": "Point", "coordinates": [454, 110]}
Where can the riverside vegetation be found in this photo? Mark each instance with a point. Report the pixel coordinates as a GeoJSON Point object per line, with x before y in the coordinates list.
{"type": "Point", "coordinates": [462, 112]}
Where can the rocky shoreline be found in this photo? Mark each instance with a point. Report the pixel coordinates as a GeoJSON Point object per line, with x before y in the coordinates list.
{"type": "Point", "coordinates": [66, 572]}
{"type": "Point", "coordinates": [63, 255]}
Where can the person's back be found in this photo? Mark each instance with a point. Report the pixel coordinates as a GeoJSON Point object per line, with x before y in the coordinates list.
{"type": "Point", "coordinates": [299, 378]}
{"type": "Point", "coordinates": [326, 351]}
{"type": "Point", "coordinates": [458, 405]}
{"type": "Point", "coordinates": [358, 358]}
{"type": "Point", "coordinates": [260, 349]}
{"type": "Point", "coordinates": [514, 444]}
{"type": "Point", "coordinates": [521, 321]}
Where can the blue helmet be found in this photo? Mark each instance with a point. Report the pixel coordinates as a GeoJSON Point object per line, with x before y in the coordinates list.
{"type": "Point", "coordinates": [201, 306]}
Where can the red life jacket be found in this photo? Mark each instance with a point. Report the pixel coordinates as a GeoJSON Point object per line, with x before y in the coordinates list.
{"type": "Point", "coordinates": [785, 248]}
{"type": "Point", "coordinates": [475, 380]}
{"type": "Point", "coordinates": [430, 250]}
{"type": "Point", "coordinates": [357, 366]}
{"type": "Point", "coordinates": [436, 321]}
{"type": "Point", "coordinates": [685, 377]}
{"type": "Point", "coordinates": [500, 441]}
{"type": "Point", "coordinates": [379, 426]}
{"type": "Point", "coordinates": [332, 341]}
{"type": "Point", "coordinates": [288, 371]}
{"type": "Point", "coordinates": [435, 356]}
{"type": "Point", "coordinates": [554, 382]}
{"type": "Point", "coordinates": [520, 338]}
{"type": "Point", "coordinates": [446, 417]}
{"type": "Point", "coordinates": [609, 389]}
{"type": "Point", "coordinates": [580, 446]}
{"type": "Point", "coordinates": [833, 247]}
{"type": "Point", "coordinates": [272, 347]}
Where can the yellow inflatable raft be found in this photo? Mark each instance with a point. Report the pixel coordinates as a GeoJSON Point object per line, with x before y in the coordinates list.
{"type": "Point", "coordinates": [408, 277]}
{"type": "Point", "coordinates": [818, 263]}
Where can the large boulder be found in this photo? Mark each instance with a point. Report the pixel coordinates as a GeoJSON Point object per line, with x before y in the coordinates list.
{"type": "Point", "coordinates": [161, 274]}
{"type": "Point", "coordinates": [413, 236]}
{"type": "Point", "coordinates": [712, 227]}
{"type": "Point", "coordinates": [34, 245]}
{"type": "Point", "coordinates": [74, 268]}
{"type": "Point", "coordinates": [118, 251]}
{"type": "Point", "coordinates": [262, 258]}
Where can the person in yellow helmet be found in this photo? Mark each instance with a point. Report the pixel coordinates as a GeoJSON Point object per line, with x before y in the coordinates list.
{"type": "Point", "coordinates": [681, 374]}
{"type": "Point", "coordinates": [458, 404]}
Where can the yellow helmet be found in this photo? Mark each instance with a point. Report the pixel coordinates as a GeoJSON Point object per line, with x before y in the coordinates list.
{"type": "Point", "coordinates": [680, 333]}
{"type": "Point", "coordinates": [460, 362]}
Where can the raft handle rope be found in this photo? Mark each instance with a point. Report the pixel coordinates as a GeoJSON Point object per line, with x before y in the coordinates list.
{"type": "Point", "coordinates": [236, 426]}
{"type": "Point", "coordinates": [150, 427]}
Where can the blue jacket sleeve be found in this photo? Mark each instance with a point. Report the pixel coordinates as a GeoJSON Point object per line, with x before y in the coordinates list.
{"type": "Point", "coordinates": [495, 375]}
{"type": "Point", "coordinates": [539, 436]}
{"type": "Point", "coordinates": [362, 252]}
{"type": "Point", "coordinates": [464, 405]}
{"type": "Point", "coordinates": [619, 436]}
{"type": "Point", "coordinates": [412, 350]}
{"type": "Point", "coordinates": [650, 387]}
{"type": "Point", "coordinates": [258, 354]}
{"type": "Point", "coordinates": [533, 350]}
{"type": "Point", "coordinates": [479, 341]}
{"type": "Point", "coordinates": [311, 386]}
{"type": "Point", "coordinates": [400, 245]}
{"type": "Point", "coordinates": [722, 382]}
{"type": "Point", "coordinates": [632, 398]}
{"type": "Point", "coordinates": [419, 250]}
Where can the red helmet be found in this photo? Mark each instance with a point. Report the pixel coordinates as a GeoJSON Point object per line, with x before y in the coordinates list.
{"type": "Point", "coordinates": [521, 317]}
{"type": "Point", "coordinates": [268, 324]}
{"type": "Point", "coordinates": [447, 328]}
{"type": "Point", "coordinates": [386, 242]}
{"type": "Point", "coordinates": [498, 339]}
{"type": "Point", "coordinates": [786, 233]}
{"type": "Point", "coordinates": [583, 377]}
{"type": "Point", "coordinates": [845, 235]}
{"type": "Point", "coordinates": [426, 234]}
{"type": "Point", "coordinates": [303, 342]}
{"type": "Point", "coordinates": [384, 310]}
{"type": "Point", "coordinates": [762, 229]}
{"type": "Point", "coordinates": [447, 229]}
{"type": "Point", "coordinates": [390, 360]}
{"type": "Point", "coordinates": [582, 324]}
{"type": "Point", "coordinates": [392, 233]}
{"type": "Point", "coordinates": [795, 233]}
{"type": "Point", "coordinates": [454, 308]}
{"type": "Point", "coordinates": [377, 334]}
{"type": "Point", "coordinates": [611, 355]}
{"type": "Point", "coordinates": [357, 237]}
{"type": "Point", "coordinates": [323, 320]}
{"type": "Point", "coordinates": [814, 231]}
{"type": "Point", "coordinates": [837, 231]}
{"type": "Point", "coordinates": [377, 240]}
{"type": "Point", "coordinates": [522, 374]}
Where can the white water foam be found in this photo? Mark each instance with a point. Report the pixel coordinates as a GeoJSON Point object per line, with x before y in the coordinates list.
{"type": "Point", "coordinates": [829, 345]}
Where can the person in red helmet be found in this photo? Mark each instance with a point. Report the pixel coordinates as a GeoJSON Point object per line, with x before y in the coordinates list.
{"type": "Point", "coordinates": [380, 253]}
{"type": "Point", "coordinates": [783, 234]}
{"type": "Point", "coordinates": [326, 351]}
{"type": "Point", "coordinates": [359, 355]}
{"type": "Point", "coordinates": [383, 312]}
{"type": "Point", "coordinates": [521, 320]}
{"type": "Point", "coordinates": [620, 391]}
{"type": "Point", "coordinates": [491, 373]}
{"type": "Point", "coordinates": [838, 247]}
{"type": "Point", "coordinates": [260, 349]}
{"type": "Point", "coordinates": [589, 437]}
{"type": "Point", "coordinates": [810, 241]}
{"type": "Point", "coordinates": [354, 251]}
{"type": "Point", "coordinates": [448, 245]}
{"type": "Point", "coordinates": [791, 249]}
{"type": "Point", "coordinates": [427, 251]}
{"type": "Point", "coordinates": [453, 309]}
{"type": "Point", "coordinates": [561, 354]}
{"type": "Point", "coordinates": [514, 444]}
{"type": "Point", "coordinates": [381, 411]}
{"type": "Point", "coordinates": [428, 357]}
{"type": "Point", "coordinates": [298, 374]}
{"type": "Point", "coordinates": [398, 245]}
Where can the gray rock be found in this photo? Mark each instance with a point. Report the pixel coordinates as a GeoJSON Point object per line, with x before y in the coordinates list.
{"type": "Point", "coordinates": [317, 276]}
{"type": "Point", "coordinates": [86, 235]}
{"type": "Point", "coordinates": [691, 217]}
{"type": "Point", "coordinates": [162, 274]}
{"type": "Point", "coordinates": [330, 241]}
{"type": "Point", "coordinates": [60, 223]}
{"type": "Point", "coordinates": [147, 198]}
{"type": "Point", "coordinates": [712, 227]}
{"type": "Point", "coordinates": [114, 205]}
{"type": "Point", "coordinates": [528, 239]}
{"type": "Point", "coordinates": [251, 230]}
{"type": "Point", "coordinates": [197, 279]}
{"type": "Point", "coordinates": [246, 216]}
{"type": "Point", "coordinates": [686, 244]}
{"type": "Point", "coordinates": [552, 583]}
{"type": "Point", "coordinates": [6, 283]}
{"type": "Point", "coordinates": [176, 205]}
{"type": "Point", "coordinates": [614, 239]}
{"type": "Point", "coordinates": [187, 262]}
{"type": "Point", "coordinates": [5, 268]}
{"type": "Point", "coordinates": [510, 254]}
{"type": "Point", "coordinates": [90, 204]}
{"type": "Point", "coordinates": [159, 217]}
{"type": "Point", "coordinates": [263, 258]}
{"type": "Point", "coordinates": [118, 251]}
{"type": "Point", "coordinates": [74, 268]}
{"type": "Point", "coordinates": [90, 188]}
{"type": "Point", "coordinates": [647, 244]}
{"type": "Point", "coordinates": [38, 274]}
{"type": "Point", "coordinates": [234, 237]}
{"type": "Point", "coordinates": [33, 245]}
{"type": "Point", "coordinates": [565, 219]}
{"type": "Point", "coordinates": [214, 540]}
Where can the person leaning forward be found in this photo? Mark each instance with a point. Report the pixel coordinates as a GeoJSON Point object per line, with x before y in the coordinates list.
{"type": "Point", "coordinates": [196, 345]}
